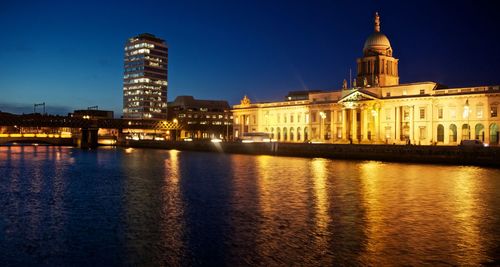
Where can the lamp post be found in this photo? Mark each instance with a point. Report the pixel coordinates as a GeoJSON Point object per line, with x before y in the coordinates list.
{"type": "Point", "coordinates": [322, 116]}
{"type": "Point", "coordinates": [467, 115]}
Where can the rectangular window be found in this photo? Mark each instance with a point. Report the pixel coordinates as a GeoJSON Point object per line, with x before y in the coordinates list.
{"type": "Point", "coordinates": [387, 114]}
{"type": "Point", "coordinates": [493, 111]}
{"type": "Point", "coordinates": [453, 113]}
{"type": "Point", "coordinates": [479, 112]}
{"type": "Point", "coordinates": [406, 115]}
{"type": "Point", "coordinates": [284, 118]}
{"type": "Point", "coordinates": [422, 113]}
{"type": "Point", "coordinates": [440, 113]}
{"type": "Point", "coordinates": [388, 132]}
{"type": "Point", "coordinates": [313, 117]}
{"type": "Point", "coordinates": [388, 94]}
{"type": "Point", "coordinates": [422, 91]}
{"type": "Point", "coordinates": [422, 132]}
{"type": "Point", "coordinates": [291, 118]}
{"type": "Point", "coordinates": [339, 116]}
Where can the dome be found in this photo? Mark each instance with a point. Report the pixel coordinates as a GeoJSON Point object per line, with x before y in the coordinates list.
{"type": "Point", "coordinates": [377, 42]}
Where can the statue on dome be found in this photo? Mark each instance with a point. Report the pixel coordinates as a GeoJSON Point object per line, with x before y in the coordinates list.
{"type": "Point", "coordinates": [245, 101]}
{"type": "Point", "coordinates": [354, 84]}
{"type": "Point", "coordinates": [344, 84]}
{"type": "Point", "coordinates": [365, 82]}
{"type": "Point", "coordinates": [376, 80]}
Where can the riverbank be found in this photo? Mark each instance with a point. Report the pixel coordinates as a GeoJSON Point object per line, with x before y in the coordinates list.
{"type": "Point", "coordinates": [454, 155]}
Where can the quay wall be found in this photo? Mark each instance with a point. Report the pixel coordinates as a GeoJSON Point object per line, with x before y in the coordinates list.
{"type": "Point", "coordinates": [455, 155]}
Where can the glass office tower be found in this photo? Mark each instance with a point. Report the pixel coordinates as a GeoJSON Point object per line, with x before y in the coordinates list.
{"type": "Point", "coordinates": [145, 78]}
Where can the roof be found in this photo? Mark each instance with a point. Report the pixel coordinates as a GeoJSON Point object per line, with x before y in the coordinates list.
{"type": "Point", "coordinates": [191, 102]}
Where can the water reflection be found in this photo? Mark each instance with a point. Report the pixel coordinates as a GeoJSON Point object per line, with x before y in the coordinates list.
{"type": "Point", "coordinates": [436, 211]}
{"type": "Point", "coordinates": [64, 206]}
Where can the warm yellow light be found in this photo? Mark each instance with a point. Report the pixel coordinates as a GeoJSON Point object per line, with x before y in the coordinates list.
{"type": "Point", "coordinates": [4, 135]}
{"type": "Point", "coordinates": [16, 135]}
{"type": "Point", "coordinates": [41, 135]}
{"type": "Point", "coordinates": [28, 135]}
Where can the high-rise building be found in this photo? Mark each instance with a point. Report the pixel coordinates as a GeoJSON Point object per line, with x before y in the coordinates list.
{"type": "Point", "coordinates": [145, 78]}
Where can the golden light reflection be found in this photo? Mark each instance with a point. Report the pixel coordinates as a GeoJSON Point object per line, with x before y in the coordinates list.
{"type": "Point", "coordinates": [320, 176]}
{"type": "Point", "coordinates": [129, 150]}
{"type": "Point", "coordinates": [173, 222]}
{"type": "Point", "coordinates": [434, 207]}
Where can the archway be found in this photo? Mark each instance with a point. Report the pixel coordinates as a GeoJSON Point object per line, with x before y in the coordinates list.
{"type": "Point", "coordinates": [440, 133]}
{"type": "Point", "coordinates": [306, 135]}
{"type": "Point", "coordinates": [272, 133]}
{"type": "Point", "coordinates": [465, 132]}
{"type": "Point", "coordinates": [285, 132]}
{"type": "Point", "coordinates": [479, 132]}
{"type": "Point", "coordinates": [453, 133]}
{"type": "Point", "coordinates": [278, 134]}
{"type": "Point", "coordinates": [291, 134]}
{"type": "Point", "coordinates": [494, 134]}
{"type": "Point", "coordinates": [298, 134]}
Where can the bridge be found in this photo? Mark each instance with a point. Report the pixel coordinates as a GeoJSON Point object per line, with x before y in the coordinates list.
{"type": "Point", "coordinates": [83, 131]}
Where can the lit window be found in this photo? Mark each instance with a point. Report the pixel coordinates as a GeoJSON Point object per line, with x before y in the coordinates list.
{"type": "Point", "coordinates": [422, 113]}
{"type": "Point", "coordinates": [493, 111]}
{"type": "Point", "coordinates": [422, 132]}
{"type": "Point", "coordinates": [479, 111]}
{"type": "Point", "coordinates": [453, 113]}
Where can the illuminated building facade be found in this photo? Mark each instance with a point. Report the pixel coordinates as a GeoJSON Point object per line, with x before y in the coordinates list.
{"type": "Point", "coordinates": [145, 78]}
{"type": "Point", "coordinates": [201, 119]}
{"type": "Point", "coordinates": [377, 109]}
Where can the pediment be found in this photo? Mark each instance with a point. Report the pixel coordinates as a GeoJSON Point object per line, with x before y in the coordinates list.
{"type": "Point", "coordinates": [357, 96]}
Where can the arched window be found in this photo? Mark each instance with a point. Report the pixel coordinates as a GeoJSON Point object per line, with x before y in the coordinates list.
{"type": "Point", "coordinates": [278, 133]}
{"type": "Point", "coordinates": [291, 134]}
{"type": "Point", "coordinates": [465, 132]}
{"type": "Point", "coordinates": [440, 133]}
{"type": "Point", "coordinates": [298, 133]}
{"type": "Point", "coordinates": [272, 133]}
{"type": "Point", "coordinates": [306, 134]}
{"type": "Point", "coordinates": [494, 134]}
{"type": "Point", "coordinates": [479, 132]}
{"type": "Point", "coordinates": [285, 134]}
{"type": "Point", "coordinates": [453, 133]}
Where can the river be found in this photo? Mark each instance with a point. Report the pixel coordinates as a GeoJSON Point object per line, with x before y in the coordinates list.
{"type": "Point", "coordinates": [114, 206]}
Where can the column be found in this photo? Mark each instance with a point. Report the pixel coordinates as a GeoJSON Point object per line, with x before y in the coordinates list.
{"type": "Point", "coordinates": [397, 138]}
{"type": "Point", "coordinates": [376, 126]}
{"type": "Point", "coordinates": [344, 124]}
{"type": "Point", "coordinates": [354, 124]}
{"type": "Point", "coordinates": [364, 119]}
{"type": "Point", "coordinates": [412, 124]}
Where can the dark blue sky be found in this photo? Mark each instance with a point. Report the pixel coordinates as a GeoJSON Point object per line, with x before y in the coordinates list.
{"type": "Point", "coordinates": [70, 54]}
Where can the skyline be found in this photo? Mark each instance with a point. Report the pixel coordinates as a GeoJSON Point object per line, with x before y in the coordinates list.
{"type": "Point", "coordinates": [73, 53]}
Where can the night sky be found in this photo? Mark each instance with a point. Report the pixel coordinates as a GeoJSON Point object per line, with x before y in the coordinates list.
{"type": "Point", "coordinates": [70, 55]}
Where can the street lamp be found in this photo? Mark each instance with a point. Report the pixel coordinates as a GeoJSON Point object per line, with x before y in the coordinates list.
{"type": "Point", "coordinates": [467, 115]}
{"type": "Point", "coordinates": [323, 116]}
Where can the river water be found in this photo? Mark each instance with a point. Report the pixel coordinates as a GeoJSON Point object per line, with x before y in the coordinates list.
{"type": "Point", "coordinates": [65, 206]}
